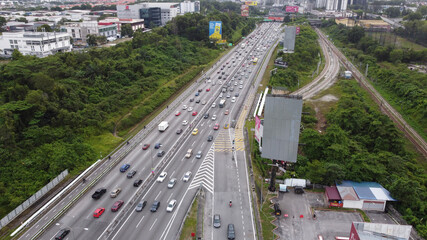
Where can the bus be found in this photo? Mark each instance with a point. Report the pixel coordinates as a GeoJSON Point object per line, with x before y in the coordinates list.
{"type": "Point", "coordinates": [255, 61]}
{"type": "Point", "coordinates": [222, 103]}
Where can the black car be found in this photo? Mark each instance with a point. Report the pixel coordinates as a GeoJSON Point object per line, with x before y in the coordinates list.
{"type": "Point", "coordinates": [137, 182]}
{"type": "Point", "coordinates": [230, 232]}
{"type": "Point", "coordinates": [98, 193]}
{"type": "Point", "coordinates": [62, 234]}
{"type": "Point", "coordinates": [155, 206]}
{"type": "Point", "coordinates": [298, 190]}
{"type": "Point", "coordinates": [198, 101]}
{"type": "Point", "coordinates": [140, 206]}
{"type": "Point", "coordinates": [160, 153]}
{"type": "Point", "coordinates": [179, 131]}
{"type": "Point", "coordinates": [131, 174]}
{"type": "Point", "coordinates": [210, 138]}
{"type": "Point", "coordinates": [157, 146]}
{"type": "Point", "coordinates": [191, 99]}
{"type": "Point", "coordinates": [217, 221]}
{"type": "Point", "coordinates": [236, 94]}
{"type": "Point", "coordinates": [206, 116]}
{"type": "Point", "coordinates": [200, 90]}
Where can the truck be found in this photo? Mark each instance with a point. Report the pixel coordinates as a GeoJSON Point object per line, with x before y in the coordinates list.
{"type": "Point", "coordinates": [163, 126]}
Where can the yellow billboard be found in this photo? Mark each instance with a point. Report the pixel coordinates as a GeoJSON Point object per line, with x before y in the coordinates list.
{"type": "Point", "coordinates": [251, 3]}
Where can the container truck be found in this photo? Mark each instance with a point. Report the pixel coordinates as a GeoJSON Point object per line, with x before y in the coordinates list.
{"type": "Point", "coordinates": [163, 126]}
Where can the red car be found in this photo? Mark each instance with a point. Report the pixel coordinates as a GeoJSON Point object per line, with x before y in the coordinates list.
{"type": "Point", "coordinates": [177, 113]}
{"type": "Point", "coordinates": [208, 89]}
{"type": "Point", "coordinates": [98, 212]}
{"type": "Point", "coordinates": [226, 112]}
{"type": "Point", "coordinates": [146, 146]}
{"type": "Point", "coordinates": [116, 206]}
{"type": "Point", "coordinates": [194, 113]}
{"type": "Point", "coordinates": [216, 127]}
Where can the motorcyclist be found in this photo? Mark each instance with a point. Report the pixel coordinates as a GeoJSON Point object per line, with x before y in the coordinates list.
{"type": "Point", "coordinates": [230, 203]}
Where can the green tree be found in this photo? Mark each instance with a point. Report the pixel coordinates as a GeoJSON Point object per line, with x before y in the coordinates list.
{"type": "Point", "coordinates": [92, 40]}
{"type": "Point", "coordinates": [126, 30]}
{"type": "Point", "coordinates": [3, 21]}
{"type": "Point", "coordinates": [44, 28]}
{"type": "Point", "coordinates": [393, 12]}
{"type": "Point", "coordinates": [355, 34]}
{"type": "Point", "coordinates": [396, 55]}
{"type": "Point", "coordinates": [22, 19]}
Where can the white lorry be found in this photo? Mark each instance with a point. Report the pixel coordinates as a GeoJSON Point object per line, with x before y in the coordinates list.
{"type": "Point", "coordinates": [163, 126]}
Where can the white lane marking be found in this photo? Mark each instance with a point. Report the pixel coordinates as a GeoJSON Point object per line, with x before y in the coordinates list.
{"type": "Point", "coordinates": [172, 174]}
{"type": "Point", "coordinates": [157, 195]}
{"type": "Point", "coordinates": [153, 224]}
{"type": "Point", "coordinates": [193, 143]}
{"type": "Point", "coordinates": [203, 144]}
{"type": "Point", "coordinates": [169, 198]}
{"type": "Point", "coordinates": [139, 221]}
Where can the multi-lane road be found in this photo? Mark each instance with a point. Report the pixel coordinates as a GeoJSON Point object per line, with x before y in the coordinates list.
{"type": "Point", "coordinates": [222, 178]}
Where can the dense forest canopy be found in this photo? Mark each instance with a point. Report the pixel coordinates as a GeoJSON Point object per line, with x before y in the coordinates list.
{"type": "Point", "coordinates": [49, 107]}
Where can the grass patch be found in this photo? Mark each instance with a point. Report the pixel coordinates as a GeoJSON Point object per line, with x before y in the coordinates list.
{"type": "Point", "coordinates": [267, 75]}
{"type": "Point", "coordinates": [365, 217]}
{"type": "Point", "coordinates": [103, 143]}
{"type": "Point", "coordinates": [266, 218]}
{"type": "Point", "coordinates": [190, 223]}
{"type": "Point", "coordinates": [391, 39]}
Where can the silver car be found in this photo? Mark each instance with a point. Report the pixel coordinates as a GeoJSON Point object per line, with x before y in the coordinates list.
{"type": "Point", "coordinates": [172, 183]}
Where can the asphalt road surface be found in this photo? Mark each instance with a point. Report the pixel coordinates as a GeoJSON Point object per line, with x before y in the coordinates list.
{"type": "Point", "coordinates": [220, 176]}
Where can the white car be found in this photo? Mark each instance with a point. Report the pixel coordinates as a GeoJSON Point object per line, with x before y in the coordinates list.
{"type": "Point", "coordinates": [213, 117]}
{"type": "Point", "coordinates": [186, 176]}
{"type": "Point", "coordinates": [185, 122]}
{"type": "Point", "coordinates": [184, 107]}
{"type": "Point", "coordinates": [241, 86]}
{"type": "Point", "coordinates": [162, 177]}
{"type": "Point", "coordinates": [213, 105]}
{"type": "Point", "coordinates": [171, 205]}
{"type": "Point", "coordinates": [233, 99]}
{"type": "Point", "coordinates": [189, 109]}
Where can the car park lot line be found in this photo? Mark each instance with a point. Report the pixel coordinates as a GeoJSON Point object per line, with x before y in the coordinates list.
{"type": "Point", "coordinates": [139, 221]}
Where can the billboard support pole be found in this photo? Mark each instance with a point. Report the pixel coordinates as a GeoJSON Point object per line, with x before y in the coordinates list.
{"type": "Point", "coordinates": [272, 187]}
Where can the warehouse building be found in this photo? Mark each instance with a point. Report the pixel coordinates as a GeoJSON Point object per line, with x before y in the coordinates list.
{"type": "Point", "coordinates": [363, 195]}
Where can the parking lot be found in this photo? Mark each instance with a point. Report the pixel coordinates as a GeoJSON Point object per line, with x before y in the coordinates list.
{"type": "Point", "coordinates": [300, 224]}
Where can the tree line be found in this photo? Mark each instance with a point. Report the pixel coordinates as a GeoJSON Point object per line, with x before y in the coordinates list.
{"type": "Point", "coordinates": [50, 107]}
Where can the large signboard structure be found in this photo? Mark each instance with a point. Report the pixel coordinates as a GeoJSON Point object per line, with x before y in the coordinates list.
{"type": "Point", "coordinates": [251, 3]}
{"type": "Point", "coordinates": [215, 30]}
{"type": "Point", "coordinates": [292, 9]}
{"type": "Point", "coordinates": [244, 10]}
{"type": "Point", "coordinates": [282, 120]}
{"type": "Point", "coordinates": [289, 39]}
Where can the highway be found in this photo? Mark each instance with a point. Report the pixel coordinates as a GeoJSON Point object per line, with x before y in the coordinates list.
{"type": "Point", "coordinates": [220, 176]}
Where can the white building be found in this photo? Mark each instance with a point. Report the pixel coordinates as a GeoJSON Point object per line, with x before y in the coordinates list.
{"type": "Point", "coordinates": [40, 44]}
{"type": "Point", "coordinates": [336, 5]}
{"type": "Point", "coordinates": [189, 7]}
{"type": "Point", "coordinates": [80, 30]}
{"type": "Point", "coordinates": [153, 13]}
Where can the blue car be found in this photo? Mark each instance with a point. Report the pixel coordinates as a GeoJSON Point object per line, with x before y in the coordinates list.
{"type": "Point", "coordinates": [124, 167]}
{"type": "Point", "coordinates": [197, 94]}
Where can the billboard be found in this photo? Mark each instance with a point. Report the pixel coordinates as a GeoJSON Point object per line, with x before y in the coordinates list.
{"type": "Point", "coordinates": [282, 120]}
{"type": "Point", "coordinates": [278, 19]}
{"type": "Point", "coordinates": [293, 9]}
{"type": "Point", "coordinates": [298, 30]}
{"type": "Point", "coordinates": [215, 30]}
{"type": "Point", "coordinates": [244, 10]}
{"type": "Point", "coordinates": [251, 3]}
{"type": "Point", "coordinates": [289, 39]}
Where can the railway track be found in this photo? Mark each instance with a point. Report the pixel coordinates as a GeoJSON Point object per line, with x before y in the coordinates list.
{"type": "Point", "coordinates": [385, 107]}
